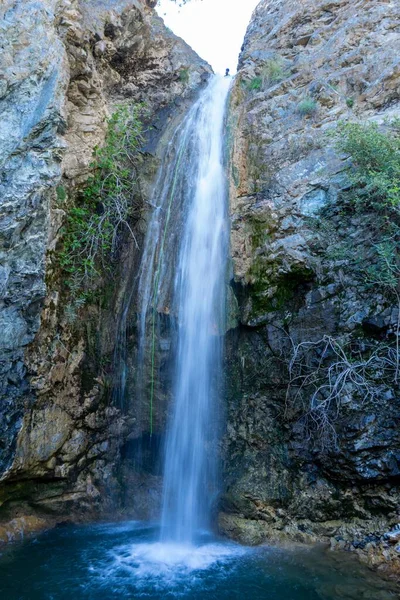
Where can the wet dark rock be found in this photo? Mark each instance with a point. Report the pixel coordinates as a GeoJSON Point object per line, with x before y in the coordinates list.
{"type": "Point", "coordinates": [375, 325]}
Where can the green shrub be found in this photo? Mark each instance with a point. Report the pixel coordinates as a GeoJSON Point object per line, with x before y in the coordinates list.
{"type": "Point", "coordinates": [274, 71]}
{"type": "Point", "coordinates": [375, 155]}
{"type": "Point", "coordinates": [184, 75]}
{"type": "Point", "coordinates": [61, 193]}
{"type": "Point", "coordinates": [374, 196]}
{"type": "Point", "coordinates": [307, 107]}
{"type": "Point", "coordinates": [350, 102]}
{"type": "Point", "coordinates": [255, 84]}
{"type": "Point", "coordinates": [107, 205]}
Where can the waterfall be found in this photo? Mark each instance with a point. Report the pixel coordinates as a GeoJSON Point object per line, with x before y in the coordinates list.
{"type": "Point", "coordinates": [183, 274]}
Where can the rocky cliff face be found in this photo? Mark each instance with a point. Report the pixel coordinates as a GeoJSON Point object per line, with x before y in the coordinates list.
{"type": "Point", "coordinates": [292, 470]}
{"type": "Point", "coordinates": [65, 66]}
{"type": "Point", "coordinates": [300, 304]}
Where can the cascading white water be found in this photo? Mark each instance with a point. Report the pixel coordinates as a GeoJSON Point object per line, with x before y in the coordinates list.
{"type": "Point", "coordinates": [199, 298]}
{"type": "Point", "coordinates": [185, 262]}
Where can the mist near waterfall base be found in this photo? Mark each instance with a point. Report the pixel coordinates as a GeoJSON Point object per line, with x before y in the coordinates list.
{"type": "Point", "coordinates": [215, 29]}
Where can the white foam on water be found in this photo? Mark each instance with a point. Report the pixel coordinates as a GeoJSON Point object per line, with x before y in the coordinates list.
{"type": "Point", "coordinates": [167, 565]}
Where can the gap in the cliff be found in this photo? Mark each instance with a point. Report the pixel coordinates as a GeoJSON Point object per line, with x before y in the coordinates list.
{"type": "Point", "coordinates": [215, 29]}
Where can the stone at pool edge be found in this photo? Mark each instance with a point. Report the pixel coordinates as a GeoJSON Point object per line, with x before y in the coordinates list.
{"type": "Point", "coordinates": [20, 527]}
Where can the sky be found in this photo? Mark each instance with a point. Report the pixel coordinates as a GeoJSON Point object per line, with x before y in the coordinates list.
{"type": "Point", "coordinates": [215, 29]}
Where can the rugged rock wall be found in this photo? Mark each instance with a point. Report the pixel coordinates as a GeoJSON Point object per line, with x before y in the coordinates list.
{"type": "Point", "coordinates": [65, 65]}
{"type": "Point", "coordinates": [304, 66]}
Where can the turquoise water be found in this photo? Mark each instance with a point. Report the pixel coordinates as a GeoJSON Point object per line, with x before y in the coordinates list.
{"type": "Point", "coordinates": [111, 561]}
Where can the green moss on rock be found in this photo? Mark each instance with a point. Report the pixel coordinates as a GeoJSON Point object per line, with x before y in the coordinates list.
{"type": "Point", "coordinates": [271, 292]}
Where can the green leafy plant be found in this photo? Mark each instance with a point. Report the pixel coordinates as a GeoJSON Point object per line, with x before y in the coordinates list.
{"type": "Point", "coordinates": [184, 75]}
{"type": "Point", "coordinates": [307, 107]}
{"type": "Point", "coordinates": [374, 195]}
{"type": "Point", "coordinates": [274, 71]}
{"type": "Point", "coordinates": [375, 155]}
{"type": "Point", "coordinates": [61, 194]}
{"type": "Point", "coordinates": [107, 205]}
{"type": "Point", "coordinates": [255, 84]}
